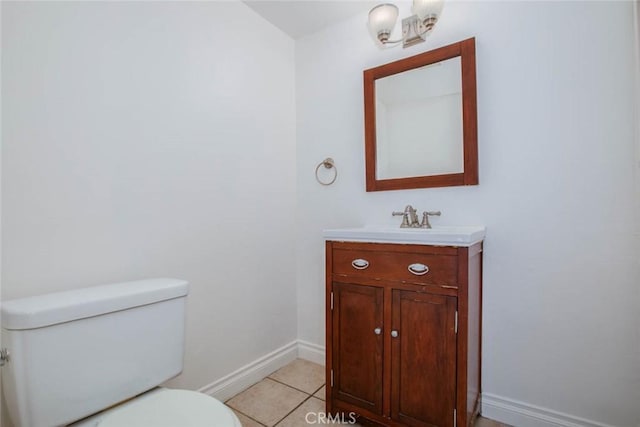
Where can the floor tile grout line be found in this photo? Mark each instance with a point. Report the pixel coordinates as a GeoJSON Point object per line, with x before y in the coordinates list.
{"type": "Point", "coordinates": [314, 393]}
{"type": "Point", "coordinates": [251, 418]}
{"type": "Point", "coordinates": [308, 396]}
{"type": "Point", "coordinates": [293, 410]}
{"type": "Point", "coordinates": [295, 388]}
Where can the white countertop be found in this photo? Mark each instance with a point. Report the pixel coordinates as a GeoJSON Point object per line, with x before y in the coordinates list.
{"type": "Point", "coordinates": [440, 236]}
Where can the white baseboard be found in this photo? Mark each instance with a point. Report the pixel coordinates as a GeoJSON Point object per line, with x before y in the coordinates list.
{"type": "Point", "coordinates": [510, 411]}
{"type": "Point", "coordinates": [522, 414]}
{"type": "Point", "coordinates": [246, 376]}
{"type": "Point", "coordinates": [312, 352]}
{"type": "Point", "coordinates": [243, 378]}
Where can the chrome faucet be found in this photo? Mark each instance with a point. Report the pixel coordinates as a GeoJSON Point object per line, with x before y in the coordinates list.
{"type": "Point", "coordinates": [410, 218]}
{"type": "Point", "coordinates": [425, 218]}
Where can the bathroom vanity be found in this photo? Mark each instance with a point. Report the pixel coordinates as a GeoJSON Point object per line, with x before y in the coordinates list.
{"type": "Point", "coordinates": [403, 324]}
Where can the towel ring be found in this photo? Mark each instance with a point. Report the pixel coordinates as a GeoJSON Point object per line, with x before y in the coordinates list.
{"type": "Point", "coordinates": [329, 164]}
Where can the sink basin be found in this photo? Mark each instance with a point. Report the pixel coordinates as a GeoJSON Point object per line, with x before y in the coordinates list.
{"type": "Point", "coordinates": [441, 236]}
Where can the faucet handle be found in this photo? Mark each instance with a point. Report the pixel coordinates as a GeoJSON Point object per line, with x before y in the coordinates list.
{"type": "Point", "coordinates": [425, 218]}
{"type": "Point", "coordinates": [405, 218]}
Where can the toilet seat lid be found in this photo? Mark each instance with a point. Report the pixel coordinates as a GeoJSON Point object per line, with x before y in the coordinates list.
{"type": "Point", "coordinates": [171, 408]}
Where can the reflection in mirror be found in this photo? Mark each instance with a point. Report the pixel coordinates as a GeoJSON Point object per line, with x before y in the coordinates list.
{"type": "Point", "coordinates": [419, 122]}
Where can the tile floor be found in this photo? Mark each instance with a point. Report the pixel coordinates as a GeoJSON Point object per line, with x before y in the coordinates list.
{"type": "Point", "coordinates": [285, 397]}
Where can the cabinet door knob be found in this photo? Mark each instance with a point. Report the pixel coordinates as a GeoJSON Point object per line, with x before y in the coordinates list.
{"type": "Point", "coordinates": [360, 264]}
{"type": "Point", "coordinates": [377, 331]}
{"type": "Point", "coordinates": [394, 334]}
{"type": "Point", "coordinates": [418, 269]}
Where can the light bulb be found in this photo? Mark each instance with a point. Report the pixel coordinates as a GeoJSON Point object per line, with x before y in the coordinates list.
{"type": "Point", "coordinates": [426, 9]}
{"type": "Point", "coordinates": [382, 19]}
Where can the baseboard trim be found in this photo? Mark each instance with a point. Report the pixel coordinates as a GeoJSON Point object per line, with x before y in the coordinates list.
{"type": "Point", "coordinates": [522, 414]}
{"type": "Point", "coordinates": [243, 378]}
{"type": "Point", "coordinates": [510, 411]}
{"type": "Point", "coordinates": [312, 352]}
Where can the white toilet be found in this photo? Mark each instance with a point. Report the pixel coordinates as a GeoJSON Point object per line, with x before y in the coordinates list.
{"type": "Point", "coordinates": [73, 354]}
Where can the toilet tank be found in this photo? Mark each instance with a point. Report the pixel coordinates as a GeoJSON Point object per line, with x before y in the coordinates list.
{"type": "Point", "coordinates": [74, 353]}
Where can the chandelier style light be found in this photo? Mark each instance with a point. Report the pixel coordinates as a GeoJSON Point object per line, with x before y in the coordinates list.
{"type": "Point", "coordinates": [382, 20]}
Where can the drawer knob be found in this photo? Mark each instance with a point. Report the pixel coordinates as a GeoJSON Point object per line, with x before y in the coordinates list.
{"type": "Point", "coordinates": [360, 264]}
{"type": "Point", "coordinates": [394, 334]}
{"type": "Point", "coordinates": [418, 269]}
{"type": "Point", "coordinates": [377, 331]}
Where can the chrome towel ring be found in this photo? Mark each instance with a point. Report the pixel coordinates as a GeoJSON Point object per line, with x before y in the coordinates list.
{"type": "Point", "coordinates": [329, 164]}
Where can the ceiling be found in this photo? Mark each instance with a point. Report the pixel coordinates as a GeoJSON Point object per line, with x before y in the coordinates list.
{"type": "Point", "coordinates": [302, 17]}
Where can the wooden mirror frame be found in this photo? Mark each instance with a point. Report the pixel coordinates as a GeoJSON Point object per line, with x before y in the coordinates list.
{"type": "Point", "coordinates": [466, 50]}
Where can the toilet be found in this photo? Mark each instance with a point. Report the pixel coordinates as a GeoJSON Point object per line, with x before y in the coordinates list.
{"type": "Point", "coordinates": [96, 357]}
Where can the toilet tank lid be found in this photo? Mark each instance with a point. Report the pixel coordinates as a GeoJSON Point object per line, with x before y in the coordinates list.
{"type": "Point", "coordinates": [50, 309]}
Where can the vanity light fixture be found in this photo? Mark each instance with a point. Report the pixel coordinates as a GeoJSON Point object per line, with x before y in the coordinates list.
{"type": "Point", "coordinates": [415, 28]}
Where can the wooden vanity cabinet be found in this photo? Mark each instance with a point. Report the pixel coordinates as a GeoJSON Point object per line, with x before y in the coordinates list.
{"type": "Point", "coordinates": [403, 332]}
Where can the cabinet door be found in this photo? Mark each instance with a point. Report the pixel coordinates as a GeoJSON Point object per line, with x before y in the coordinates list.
{"type": "Point", "coordinates": [423, 359]}
{"type": "Point", "coordinates": [357, 345]}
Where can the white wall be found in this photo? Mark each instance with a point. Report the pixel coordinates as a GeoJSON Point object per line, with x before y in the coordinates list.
{"type": "Point", "coordinates": [556, 141]}
{"type": "Point", "coordinates": [2, 411]}
{"type": "Point", "coordinates": [146, 139]}
{"type": "Point", "coordinates": [150, 139]}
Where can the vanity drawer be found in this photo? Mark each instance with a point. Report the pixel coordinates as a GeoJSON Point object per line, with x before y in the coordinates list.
{"type": "Point", "coordinates": [411, 267]}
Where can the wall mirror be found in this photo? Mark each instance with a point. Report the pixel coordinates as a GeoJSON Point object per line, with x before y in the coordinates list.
{"type": "Point", "coordinates": [421, 121]}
